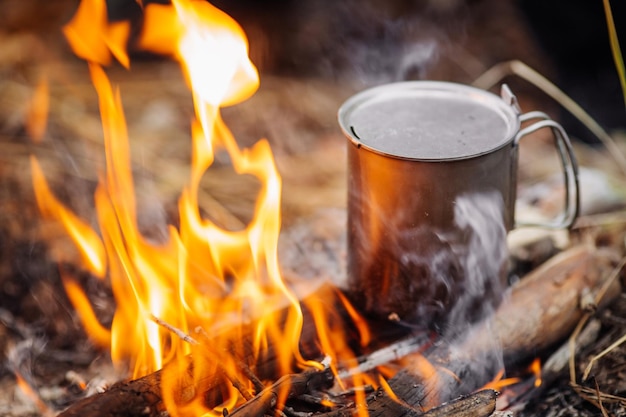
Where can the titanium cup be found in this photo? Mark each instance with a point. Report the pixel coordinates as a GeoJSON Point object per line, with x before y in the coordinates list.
{"type": "Point", "coordinates": [432, 175]}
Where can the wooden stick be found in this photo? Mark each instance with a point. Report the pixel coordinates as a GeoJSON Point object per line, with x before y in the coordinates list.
{"type": "Point", "coordinates": [477, 404]}
{"type": "Point", "coordinates": [387, 354]}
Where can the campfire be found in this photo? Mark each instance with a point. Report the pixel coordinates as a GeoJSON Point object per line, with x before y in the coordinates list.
{"type": "Point", "coordinates": [208, 303]}
{"type": "Point", "coordinates": [208, 322]}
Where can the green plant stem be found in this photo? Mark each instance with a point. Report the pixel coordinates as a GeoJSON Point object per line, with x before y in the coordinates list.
{"type": "Point", "coordinates": [617, 52]}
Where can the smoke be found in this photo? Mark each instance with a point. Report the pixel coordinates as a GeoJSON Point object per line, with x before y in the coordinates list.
{"type": "Point", "coordinates": [426, 276]}
{"type": "Point", "coordinates": [475, 352]}
{"type": "Point", "coordinates": [478, 247]}
{"type": "Point", "coordinates": [482, 254]}
{"type": "Point", "coordinates": [450, 279]}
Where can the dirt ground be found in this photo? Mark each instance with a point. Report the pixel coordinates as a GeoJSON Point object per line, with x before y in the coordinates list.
{"type": "Point", "coordinates": [295, 109]}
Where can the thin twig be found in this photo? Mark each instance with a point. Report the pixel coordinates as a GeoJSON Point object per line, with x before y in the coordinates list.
{"type": "Point", "coordinates": [581, 324]}
{"type": "Point", "coordinates": [572, 347]}
{"type": "Point", "coordinates": [590, 394]}
{"type": "Point", "coordinates": [181, 335]}
{"type": "Point", "coordinates": [239, 363]}
{"type": "Point", "coordinates": [609, 282]}
{"type": "Point", "coordinates": [385, 355]}
{"type": "Point", "coordinates": [245, 369]}
{"type": "Point", "coordinates": [600, 355]}
{"type": "Point", "coordinates": [496, 73]}
{"type": "Point", "coordinates": [615, 49]}
{"type": "Point", "coordinates": [601, 406]}
{"type": "Point", "coordinates": [234, 379]}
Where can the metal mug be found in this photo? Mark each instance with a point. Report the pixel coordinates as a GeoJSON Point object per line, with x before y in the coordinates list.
{"type": "Point", "coordinates": [432, 175]}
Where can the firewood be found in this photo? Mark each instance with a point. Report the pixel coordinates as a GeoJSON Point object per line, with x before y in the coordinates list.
{"type": "Point", "coordinates": [124, 399]}
{"type": "Point", "coordinates": [143, 396]}
{"type": "Point", "coordinates": [478, 404]}
{"type": "Point", "coordinates": [545, 306]}
{"type": "Point", "coordinates": [287, 387]}
{"type": "Point", "coordinates": [138, 397]}
{"type": "Point", "coordinates": [542, 309]}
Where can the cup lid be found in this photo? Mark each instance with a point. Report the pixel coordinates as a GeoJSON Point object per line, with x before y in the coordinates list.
{"type": "Point", "coordinates": [428, 120]}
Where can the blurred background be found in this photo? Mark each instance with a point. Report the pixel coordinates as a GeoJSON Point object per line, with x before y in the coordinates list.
{"type": "Point", "coordinates": [375, 41]}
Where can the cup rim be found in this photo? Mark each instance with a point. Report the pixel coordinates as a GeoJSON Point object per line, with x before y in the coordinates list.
{"type": "Point", "coordinates": [509, 113]}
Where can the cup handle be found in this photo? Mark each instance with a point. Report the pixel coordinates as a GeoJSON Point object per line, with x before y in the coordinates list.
{"type": "Point", "coordinates": [570, 169]}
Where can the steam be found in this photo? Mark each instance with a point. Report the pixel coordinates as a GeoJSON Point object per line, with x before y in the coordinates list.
{"type": "Point", "coordinates": [364, 42]}
{"type": "Point", "coordinates": [467, 263]}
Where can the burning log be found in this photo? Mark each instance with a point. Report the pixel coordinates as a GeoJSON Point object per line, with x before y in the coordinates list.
{"type": "Point", "coordinates": [479, 404]}
{"type": "Point", "coordinates": [138, 397]}
{"type": "Point", "coordinates": [288, 386]}
{"type": "Point", "coordinates": [541, 310]}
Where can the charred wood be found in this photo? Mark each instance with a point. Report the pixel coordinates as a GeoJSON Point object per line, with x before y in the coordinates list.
{"type": "Point", "coordinates": [287, 387]}
{"type": "Point", "coordinates": [124, 399]}
{"type": "Point", "coordinates": [541, 310]}
{"type": "Point", "coordinates": [478, 404]}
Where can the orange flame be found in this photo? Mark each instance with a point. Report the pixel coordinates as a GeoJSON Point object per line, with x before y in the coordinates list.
{"type": "Point", "coordinates": [217, 282]}
{"type": "Point", "coordinates": [498, 382]}
{"type": "Point", "coordinates": [87, 241]}
{"type": "Point", "coordinates": [202, 277]}
{"type": "Point", "coordinates": [28, 390]}
{"type": "Point", "coordinates": [535, 368]}
{"type": "Point", "coordinates": [93, 38]}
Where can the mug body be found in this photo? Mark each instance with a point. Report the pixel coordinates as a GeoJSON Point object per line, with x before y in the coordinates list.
{"type": "Point", "coordinates": [431, 195]}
